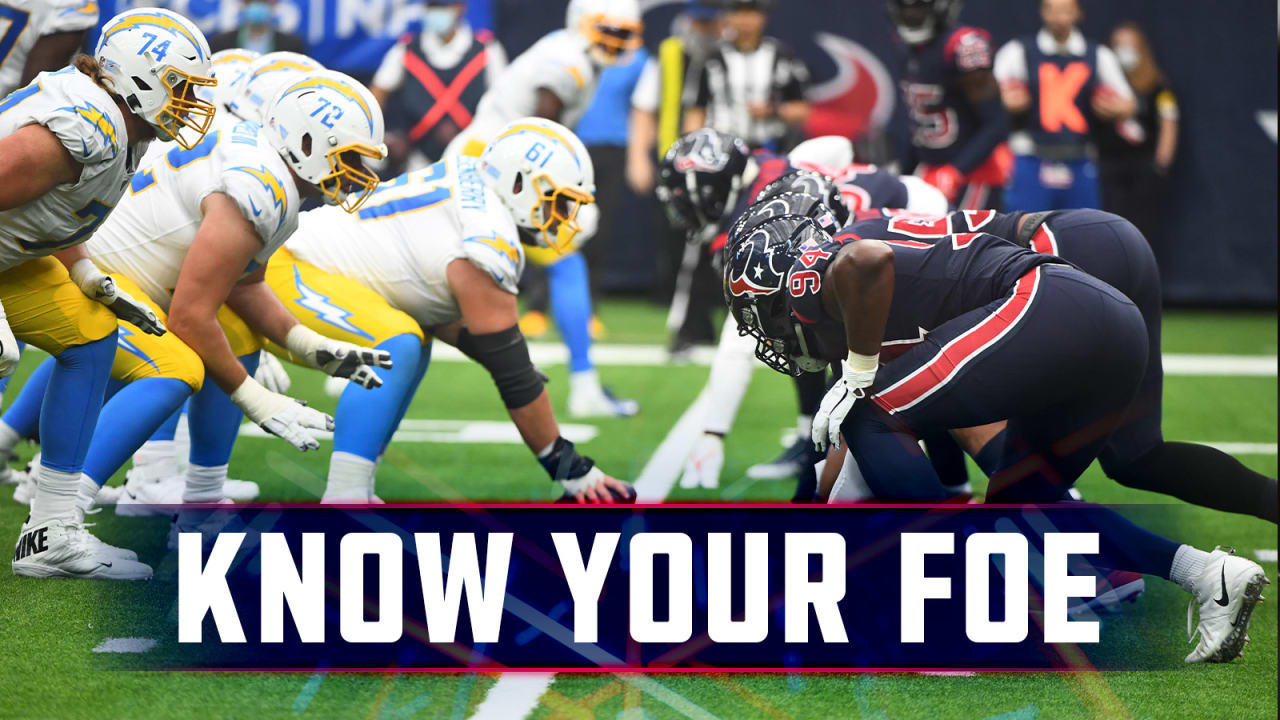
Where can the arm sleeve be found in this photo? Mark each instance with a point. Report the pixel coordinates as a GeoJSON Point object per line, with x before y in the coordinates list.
{"type": "Point", "coordinates": [390, 74]}
{"type": "Point", "coordinates": [646, 95]}
{"type": "Point", "coordinates": [993, 129]}
{"type": "Point", "coordinates": [1011, 63]}
{"type": "Point", "coordinates": [1111, 75]}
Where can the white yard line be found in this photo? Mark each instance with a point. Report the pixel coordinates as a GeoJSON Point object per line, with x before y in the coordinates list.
{"type": "Point", "coordinates": [1243, 448]}
{"type": "Point", "coordinates": [125, 645]}
{"type": "Point", "coordinates": [1268, 556]}
{"type": "Point", "coordinates": [554, 353]}
{"type": "Point", "coordinates": [516, 695]}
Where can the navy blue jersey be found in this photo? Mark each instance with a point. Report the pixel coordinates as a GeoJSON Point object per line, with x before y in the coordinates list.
{"type": "Point", "coordinates": [934, 281]}
{"type": "Point", "coordinates": [942, 120]}
{"type": "Point", "coordinates": [886, 224]}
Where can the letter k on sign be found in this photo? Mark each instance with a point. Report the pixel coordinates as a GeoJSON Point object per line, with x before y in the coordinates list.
{"type": "Point", "coordinates": [1058, 91]}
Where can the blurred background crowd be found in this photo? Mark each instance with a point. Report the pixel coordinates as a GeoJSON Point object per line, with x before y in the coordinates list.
{"type": "Point", "coordinates": [1170, 133]}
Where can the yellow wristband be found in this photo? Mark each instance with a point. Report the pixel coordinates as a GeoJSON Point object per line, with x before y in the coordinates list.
{"type": "Point", "coordinates": [863, 363]}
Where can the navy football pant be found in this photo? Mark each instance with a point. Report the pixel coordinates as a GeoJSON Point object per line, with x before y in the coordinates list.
{"type": "Point", "coordinates": [1060, 358]}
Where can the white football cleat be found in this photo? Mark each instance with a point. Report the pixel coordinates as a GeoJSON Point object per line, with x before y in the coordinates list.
{"type": "Point", "coordinates": [1227, 590]}
{"type": "Point", "coordinates": [104, 547]}
{"type": "Point", "coordinates": [600, 402]}
{"type": "Point", "coordinates": [63, 548]}
{"type": "Point", "coordinates": [26, 480]}
{"type": "Point", "coordinates": [108, 495]}
{"type": "Point", "coordinates": [143, 497]}
{"type": "Point", "coordinates": [240, 490]}
{"type": "Point", "coordinates": [8, 476]}
{"type": "Point", "coordinates": [203, 521]}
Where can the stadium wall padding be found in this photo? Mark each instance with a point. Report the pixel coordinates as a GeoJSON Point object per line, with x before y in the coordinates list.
{"type": "Point", "coordinates": [1220, 238]}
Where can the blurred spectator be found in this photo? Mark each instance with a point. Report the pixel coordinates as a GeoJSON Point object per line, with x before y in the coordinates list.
{"type": "Point", "coordinates": [429, 84]}
{"type": "Point", "coordinates": [54, 31]}
{"type": "Point", "coordinates": [257, 32]}
{"type": "Point", "coordinates": [1135, 155]}
{"type": "Point", "coordinates": [752, 85]}
{"type": "Point", "coordinates": [666, 89]}
{"type": "Point", "coordinates": [1058, 86]}
{"type": "Point", "coordinates": [958, 126]}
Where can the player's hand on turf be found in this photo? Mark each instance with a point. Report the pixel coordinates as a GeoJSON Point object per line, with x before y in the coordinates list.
{"type": "Point", "coordinates": [338, 358]}
{"type": "Point", "coordinates": [281, 415]}
{"type": "Point", "coordinates": [9, 353]}
{"type": "Point", "coordinates": [596, 488]}
{"type": "Point", "coordinates": [99, 286]}
{"type": "Point", "coordinates": [271, 373]}
{"type": "Point", "coordinates": [836, 405]}
{"type": "Point", "coordinates": [706, 460]}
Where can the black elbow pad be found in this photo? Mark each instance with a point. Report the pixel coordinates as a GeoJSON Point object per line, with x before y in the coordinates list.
{"type": "Point", "coordinates": [506, 356]}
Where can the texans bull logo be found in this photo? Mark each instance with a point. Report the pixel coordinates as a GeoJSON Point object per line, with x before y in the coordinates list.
{"type": "Point", "coordinates": [706, 155]}
{"type": "Point", "coordinates": [763, 271]}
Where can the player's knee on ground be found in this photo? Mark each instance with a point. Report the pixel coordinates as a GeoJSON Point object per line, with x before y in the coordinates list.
{"type": "Point", "coordinates": [46, 309]}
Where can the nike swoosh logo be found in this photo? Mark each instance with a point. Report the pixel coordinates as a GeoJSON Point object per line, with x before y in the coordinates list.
{"type": "Point", "coordinates": [254, 207]}
{"type": "Point", "coordinates": [130, 494]}
{"type": "Point", "coordinates": [1224, 599]}
{"type": "Point", "coordinates": [104, 564]}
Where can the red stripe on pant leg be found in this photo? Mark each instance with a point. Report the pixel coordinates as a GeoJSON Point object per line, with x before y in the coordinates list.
{"type": "Point", "coordinates": [926, 379]}
{"type": "Point", "coordinates": [1044, 241]}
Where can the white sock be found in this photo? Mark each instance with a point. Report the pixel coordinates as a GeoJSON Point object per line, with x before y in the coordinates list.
{"type": "Point", "coordinates": [350, 477]}
{"type": "Point", "coordinates": [86, 493]}
{"type": "Point", "coordinates": [804, 425]}
{"type": "Point", "coordinates": [181, 442]}
{"type": "Point", "coordinates": [585, 381]}
{"type": "Point", "coordinates": [204, 483]}
{"type": "Point", "coordinates": [9, 439]}
{"type": "Point", "coordinates": [1188, 563]}
{"type": "Point", "coordinates": [55, 495]}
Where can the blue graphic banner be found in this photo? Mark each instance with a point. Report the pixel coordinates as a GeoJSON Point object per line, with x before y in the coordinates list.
{"type": "Point", "coordinates": [680, 588]}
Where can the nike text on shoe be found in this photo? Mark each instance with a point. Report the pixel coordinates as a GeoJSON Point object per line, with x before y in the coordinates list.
{"type": "Point", "coordinates": [1227, 591]}
{"type": "Point", "coordinates": [62, 548]}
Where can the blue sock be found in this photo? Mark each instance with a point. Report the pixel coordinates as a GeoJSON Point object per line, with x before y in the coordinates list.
{"type": "Point", "coordinates": [365, 418]}
{"type": "Point", "coordinates": [169, 428]}
{"type": "Point", "coordinates": [571, 308]}
{"type": "Point", "coordinates": [72, 403]}
{"type": "Point", "coordinates": [4, 381]}
{"type": "Point", "coordinates": [24, 414]}
{"type": "Point", "coordinates": [423, 361]}
{"type": "Point", "coordinates": [214, 421]}
{"type": "Point", "coordinates": [134, 412]}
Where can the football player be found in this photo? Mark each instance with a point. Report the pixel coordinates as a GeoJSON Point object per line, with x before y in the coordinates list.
{"type": "Point", "coordinates": [958, 125]}
{"type": "Point", "coordinates": [46, 33]}
{"type": "Point", "coordinates": [1111, 249]}
{"type": "Point", "coordinates": [972, 329]}
{"type": "Point", "coordinates": [70, 141]}
{"type": "Point", "coordinates": [440, 250]}
{"type": "Point", "coordinates": [706, 182]}
{"type": "Point", "coordinates": [204, 222]}
{"type": "Point", "coordinates": [556, 79]}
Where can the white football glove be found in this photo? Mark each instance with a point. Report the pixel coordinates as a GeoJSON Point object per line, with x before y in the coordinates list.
{"type": "Point", "coordinates": [281, 415]}
{"type": "Point", "coordinates": [839, 400]}
{"type": "Point", "coordinates": [272, 374]}
{"type": "Point", "coordinates": [9, 352]}
{"type": "Point", "coordinates": [706, 460]}
{"type": "Point", "coordinates": [337, 358]}
{"type": "Point", "coordinates": [99, 286]}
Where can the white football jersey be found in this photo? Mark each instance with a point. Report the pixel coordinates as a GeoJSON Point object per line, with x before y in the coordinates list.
{"type": "Point", "coordinates": [24, 22]}
{"type": "Point", "coordinates": [558, 62]}
{"type": "Point", "coordinates": [146, 239]}
{"type": "Point", "coordinates": [89, 124]}
{"type": "Point", "coordinates": [401, 241]}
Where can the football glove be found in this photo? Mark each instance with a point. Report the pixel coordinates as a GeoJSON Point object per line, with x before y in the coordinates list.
{"type": "Point", "coordinates": [839, 400]}
{"type": "Point", "coordinates": [337, 358]}
{"type": "Point", "coordinates": [706, 459]}
{"type": "Point", "coordinates": [583, 482]}
{"type": "Point", "coordinates": [281, 415]}
{"type": "Point", "coordinates": [99, 286]}
{"type": "Point", "coordinates": [272, 374]}
{"type": "Point", "coordinates": [9, 352]}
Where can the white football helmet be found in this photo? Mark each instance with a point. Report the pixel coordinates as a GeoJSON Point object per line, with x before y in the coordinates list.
{"type": "Point", "coordinates": [544, 176]}
{"type": "Point", "coordinates": [266, 76]}
{"type": "Point", "coordinates": [229, 67]}
{"type": "Point", "coordinates": [154, 60]}
{"type": "Point", "coordinates": [612, 28]}
{"type": "Point", "coordinates": [323, 124]}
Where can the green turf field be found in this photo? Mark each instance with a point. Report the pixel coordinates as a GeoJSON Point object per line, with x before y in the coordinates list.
{"type": "Point", "coordinates": [48, 669]}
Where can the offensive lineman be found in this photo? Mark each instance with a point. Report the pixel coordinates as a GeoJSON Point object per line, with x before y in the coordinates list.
{"type": "Point", "coordinates": [70, 141]}
{"type": "Point", "coordinates": [437, 250]}
{"type": "Point", "coordinates": [556, 79]}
